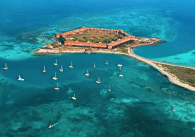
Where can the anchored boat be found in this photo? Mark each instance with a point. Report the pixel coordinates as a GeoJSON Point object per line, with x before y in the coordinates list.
{"type": "Point", "coordinates": [44, 70]}
{"type": "Point", "coordinates": [120, 75]}
{"type": "Point", "coordinates": [109, 89]}
{"type": "Point", "coordinates": [74, 98]}
{"type": "Point", "coordinates": [5, 66]}
{"type": "Point", "coordinates": [119, 65]}
{"type": "Point", "coordinates": [98, 81]}
{"type": "Point", "coordinates": [20, 79]}
{"type": "Point", "coordinates": [56, 63]}
{"type": "Point", "coordinates": [61, 69]}
{"type": "Point", "coordinates": [87, 73]}
{"type": "Point", "coordinates": [56, 88]}
{"type": "Point", "coordinates": [55, 78]}
{"type": "Point", "coordinates": [71, 66]}
{"type": "Point", "coordinates": [106, 62]}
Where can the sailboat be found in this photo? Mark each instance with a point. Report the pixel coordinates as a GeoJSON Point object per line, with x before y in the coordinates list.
{"type": "Point", "coordinates": [87, 73]}
{"type": "Point", "coordinates": [98, 81]}
{"type": "Point", "coordinates": [56, 88]}
{"type": "Point", "coordinates": [71, 66]}
{"type": "Point", "coordinates": [61, 69]}
{"type": "Point", "coordinates": [54, 78]}
{"type": "Point", "coordinates": [109, 89]}
{"type": "Point", "coordinates": [44, 70]}
{"type": "Point", "coordinates": [120, 75]}
{"type": "Point", "coordinates": [94, 65]}
{"type": "Point", "coordinates": [5, 66]}
{"type": "Point", "coordinates": [21, 79]}
{"type": "Point", "coordinates": [119, 65]}
{"type": "Point", "coordinates": [106, 62]}
{"type": "Point", "coordinates": [74, 98]}
{"type": "Point", "coordinates": [56, 63]}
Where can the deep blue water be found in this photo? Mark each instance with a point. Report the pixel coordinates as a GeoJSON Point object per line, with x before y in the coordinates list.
{"type": "Point", "coordinates": [142, 103]}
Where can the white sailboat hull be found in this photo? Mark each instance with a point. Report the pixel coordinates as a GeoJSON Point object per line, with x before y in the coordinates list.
{"type": "Point", "coordinates": [61, 70]}
{"type": "Point", "coordinates": [73, 98]}
{"type": "Point", "coordinates": [54, 78]}
{"type": "Point", "coordinates": [70, 66]}
{"type": "Point", "coordinates": [120, 75]}
{"type": "Point", "coordinates": [119, 65]}
{"type": "Point", "coordinates": [56, 88]}
{"type": "Point", "coordinates": [86, 74]}
{"type": "Point", "coordinates": [98, 82]}
{"type": "Point", "coordinates": [21, 79]}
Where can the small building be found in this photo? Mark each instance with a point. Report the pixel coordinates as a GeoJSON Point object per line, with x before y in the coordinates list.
{"type": "Point", "coordinates": [146, 40]}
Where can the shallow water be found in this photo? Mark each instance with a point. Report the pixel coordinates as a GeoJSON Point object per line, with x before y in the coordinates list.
{"type": "Point", "coordinates": [142, 103]}
{"type": "Point", "coordinates": [139, 104]}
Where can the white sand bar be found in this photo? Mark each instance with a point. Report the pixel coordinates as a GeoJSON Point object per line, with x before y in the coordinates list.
{"type": "Point", "coordinates": [171, 77]}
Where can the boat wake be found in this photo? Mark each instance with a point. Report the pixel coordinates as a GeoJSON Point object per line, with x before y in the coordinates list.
{"type": "Point", "coordinates": [54, 124]}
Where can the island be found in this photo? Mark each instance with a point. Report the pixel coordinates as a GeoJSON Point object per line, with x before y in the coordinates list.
{"type": "Point", "coordinates": [99, 40]}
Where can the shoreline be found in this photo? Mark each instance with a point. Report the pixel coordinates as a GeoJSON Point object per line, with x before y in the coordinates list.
{"type": "Point", "coordinates": [173, 79]}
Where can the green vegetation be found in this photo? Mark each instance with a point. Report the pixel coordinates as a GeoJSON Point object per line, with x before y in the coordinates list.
{"type": "Point", "coordinates": [56, 46]}
{"type": "Point", "coordinates": [141, 42]}
{"type": "Point", "coordinates": [45, 47]}
{"type": "Point", "coordinates": [123, 48]}
{"type": "Point", "coordinates": [95, 38]}
{"type": "Point", "coordinates": [185, 75]}
{"type": "Point", "coordinates": [52, 44]}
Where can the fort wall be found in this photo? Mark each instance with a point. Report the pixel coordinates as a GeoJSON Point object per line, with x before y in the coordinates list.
{"type": "Point", "coordinates": [118, 42]}
{"type": "Point", "coordinates": [63, 37]}
{"type": "Point", "coordinates": [85, 44]}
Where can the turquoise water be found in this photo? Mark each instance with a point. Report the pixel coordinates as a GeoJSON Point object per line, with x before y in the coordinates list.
{"type": "Point", "coordinates": [139, 104]}
{"type": "Point", "coordinates": [142, 103]}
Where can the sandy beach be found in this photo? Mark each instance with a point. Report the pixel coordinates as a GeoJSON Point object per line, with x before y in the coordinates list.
{"type": "Point", "coordinates": [130, 53]}
{"type": "Point", "coordinates": [171, 78]}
